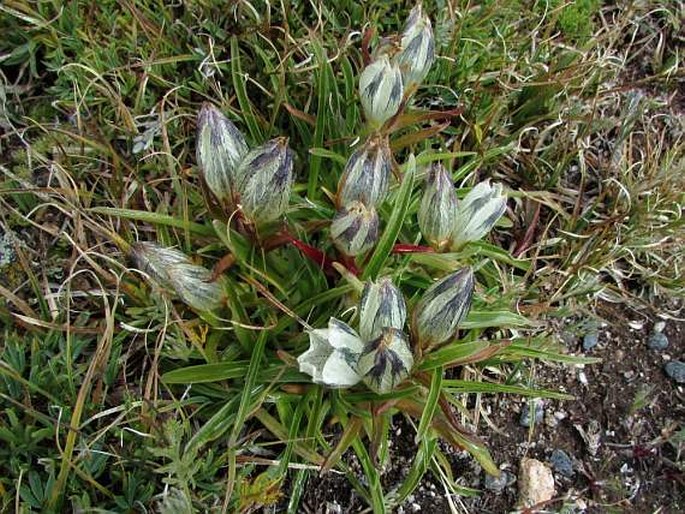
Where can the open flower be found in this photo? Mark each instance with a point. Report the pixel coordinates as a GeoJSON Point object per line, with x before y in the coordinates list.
{"type": "Point", "coordinates": [332, 356]}
{"type": "Point", "coordinates": [339, 357]}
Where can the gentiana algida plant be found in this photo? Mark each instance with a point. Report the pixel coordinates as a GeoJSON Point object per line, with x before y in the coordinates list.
{"type": "Point", "coordinates": [346, 272]}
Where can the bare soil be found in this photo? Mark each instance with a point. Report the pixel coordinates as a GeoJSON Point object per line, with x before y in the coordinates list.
{"type": "Point", "coordinates": [621, 432]}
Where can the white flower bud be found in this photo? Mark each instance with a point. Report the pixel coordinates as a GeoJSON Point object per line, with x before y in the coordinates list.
{"type": "Point", "coordinates": [172, 269]}
{"type": "Point", "coordinates": [382, 305]}
{"type": "Point", "coordinates": [437, 315]}
{"type": "Point", "coordinates": [332, 356]}
{"type": "Point", "coordinates": [220, 148]}
{"type": "Point", "coordinates": [381, 90]}
{"type": "Point", "coordinates": [478, 212]}
{"type": "Point", "coordinates": [417, 49]}
{"type": "Point", "coordinates": [355, 228]}
{"type": "Point", "coordinates": [366, 174]}
{"type": "Point", "coordinates": [438, 210]}
{"type": "Point", "coordinates": [265, 179]}
{"type": "Point", "coordinates": [386, 361]}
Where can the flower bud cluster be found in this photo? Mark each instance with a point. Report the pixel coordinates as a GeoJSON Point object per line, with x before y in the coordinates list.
{"type": "Point", "coordinates": [447, 223]}
{"type": "Point", "coordinates": [397, 70]}
{"type": "Point", "coordinates": [383, 87]}
{"type": "Point", "coordinates": [380, 353]}
{"type": "Point", "coordinates": [172, 269]}
{"type": "Point", "coordinates": [257, 180]}
{"type": "Point", "coordinates": [362, 187]}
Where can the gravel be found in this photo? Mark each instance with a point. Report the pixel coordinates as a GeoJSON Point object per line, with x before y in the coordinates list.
{"type": "Point", "coordinates": [498, 484]}
{"type": "Point", "coordinates": [657, 341]}
{"type": "Point", "coordinates": [590, 341]}
{"type": "Point", "coordinates": [561, 463]}
{"type": "Point", "coordinates": [524, 420]}
{"type": "Point", "coordinates": [676, 370]}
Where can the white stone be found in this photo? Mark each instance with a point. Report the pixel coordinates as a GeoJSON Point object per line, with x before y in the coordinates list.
{"type": "Point", "coordinates": [536, 483]}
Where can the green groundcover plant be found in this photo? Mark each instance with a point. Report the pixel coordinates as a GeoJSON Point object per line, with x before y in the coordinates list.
{"type": "Point", "coordinates": [338, 308]}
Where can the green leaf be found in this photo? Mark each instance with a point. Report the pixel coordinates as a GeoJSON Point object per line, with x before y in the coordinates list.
{"type": "Point", "coordinates": [213, 428]}
{"type": "Point", "coordinates": [327, 108]}
{"type": "Point", "coordinates": [206, 373]}
{"type": "Point", "coordinates": [418, 468]}
{"type": "Point", "coordinates": [392, 229]}
{"type": "Point", "coordinates": [328, 154]}
{"type": "Point", "coordinates": [247, 398]}
{"type": "Point", "coordinates": [239, 84]}
{"type": "Point", "coordinates": [350, 433]}
{"type": "Point", "coordinates": [487, 319]}
{"type": "Point", "coordinates": [455, 354]}
{"type": "Point", "coordinates": [154, 218]}
{"type": "Point", "coordinates": [431, 404]}
{"type": "Point", "coordinates": [470, 386]}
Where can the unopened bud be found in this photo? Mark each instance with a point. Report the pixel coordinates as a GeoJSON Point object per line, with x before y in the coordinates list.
{"type": "Point", "coordinates": [220, 148]}
{"type": "Point", "coordinates": [381, 90]}
{"type": "Point", "coordinates": [265, 178]}
{"type": "Point", "coordinates": [355, 228]}
{"type": "Point", "coordinates": [437, 315]}
{"type": "Point", "coordinates": [417, 49]}
{"type": "Point", "coordinates": [172, 269]}
{"type": "Point", "coordinates": [367, 174]}
{"type": "Point", "coordinates": [438, 210]}
{"type": "Point", "coordinates": [382, 305]}
{"type": "Point", "coordinates": [478, 212]}
{"type": "Point", "coordinates": [386, 361]}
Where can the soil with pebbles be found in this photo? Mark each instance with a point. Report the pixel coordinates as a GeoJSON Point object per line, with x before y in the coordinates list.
{"type": "Point", "coordinates": [623, 433]}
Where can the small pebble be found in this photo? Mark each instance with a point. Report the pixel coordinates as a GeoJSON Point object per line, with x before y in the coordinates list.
{"type": "Point", "coordinates": [590, 340]}
{"type": "Point", "coordinates": [657, 341]}
{"type": "Point", "coordinates": [415, 507]}
{"type": "Point", "coordinates": [497, 484]}
{"type": "Point", "coordinates": [561, 463]}
{"type": "Point", "coordinates": [676, 370]}
{"type": "Point", "coordinates": [569, 338]}
{"type": "Point", "coordinates": [659, 327]}
{"type": "Point", "coordinates": [524, 420]}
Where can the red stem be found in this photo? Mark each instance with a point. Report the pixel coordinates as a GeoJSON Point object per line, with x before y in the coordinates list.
{"type": "Point", "coordinates": [407, 248]}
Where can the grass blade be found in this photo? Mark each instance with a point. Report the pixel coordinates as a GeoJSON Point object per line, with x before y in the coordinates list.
{"type": "Point", "coordinates": [239, 80]}
{"type": "Point", "coordinates": [431, 404]}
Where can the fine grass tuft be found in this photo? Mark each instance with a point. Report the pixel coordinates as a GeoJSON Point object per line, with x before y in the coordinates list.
{"type": "Point", "coordinates": [114, 396]}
